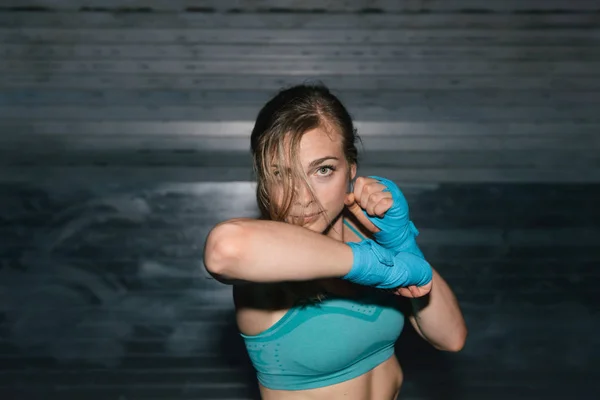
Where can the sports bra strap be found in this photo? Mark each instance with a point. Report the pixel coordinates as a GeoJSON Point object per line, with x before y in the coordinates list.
{"type": "Point", "coordinates": [353, 229]}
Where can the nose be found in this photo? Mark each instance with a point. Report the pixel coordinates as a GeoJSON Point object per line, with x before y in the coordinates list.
{"type": "Point", "coordinates": [303, 195]}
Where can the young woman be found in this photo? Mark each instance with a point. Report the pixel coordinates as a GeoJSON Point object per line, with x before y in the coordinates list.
{"type": "Point", "coordinates": [319, 279]}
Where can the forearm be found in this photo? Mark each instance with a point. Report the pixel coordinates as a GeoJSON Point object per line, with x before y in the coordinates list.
{"type": "Point", "coordinates": [268, 251]}
{"type": "Point", "coordinates": [438, 317]}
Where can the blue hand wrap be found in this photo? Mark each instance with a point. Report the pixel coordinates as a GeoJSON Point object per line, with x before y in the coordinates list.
{"type": "Point", "coordinates": [376, 266]}
{"type": "Point", "coordinates": [397, 232]}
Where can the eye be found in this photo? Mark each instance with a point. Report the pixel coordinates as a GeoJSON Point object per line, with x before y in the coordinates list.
{"type": "Point", "coordinates": [325, 170]}
{"type": "Point", "coordinates": [277, 175]}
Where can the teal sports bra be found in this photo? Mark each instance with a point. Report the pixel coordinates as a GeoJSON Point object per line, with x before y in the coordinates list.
{"type": "Point", "coordinates": [331, 341]}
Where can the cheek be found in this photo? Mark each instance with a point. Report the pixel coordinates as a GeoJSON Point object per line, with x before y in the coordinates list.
{"type": "Point", "coordinates": [333, 193]}
{"type": "Point", "coordinates": [276, 194]}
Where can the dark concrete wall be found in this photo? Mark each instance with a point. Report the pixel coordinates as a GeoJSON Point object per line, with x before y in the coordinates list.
{"type": "Point", "coordinates": [123, 139]}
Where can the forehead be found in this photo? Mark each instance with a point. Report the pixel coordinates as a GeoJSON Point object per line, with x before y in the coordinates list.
{"type": "Point", "coordinates": [320, 142]}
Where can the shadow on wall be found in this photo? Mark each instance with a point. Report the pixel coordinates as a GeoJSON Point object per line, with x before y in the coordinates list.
{"type": "Point", "coordinates": [92, 275]}
{"type": "Point", "coordinates": [86, 273]}
{"type": "Point", "coordinates": [233, 350]}
{"type": "Point", "coordinates": [428, 372]}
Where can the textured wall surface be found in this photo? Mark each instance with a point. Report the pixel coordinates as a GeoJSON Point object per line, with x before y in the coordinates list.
{"type": "Point", "coordinates": [124, 130]}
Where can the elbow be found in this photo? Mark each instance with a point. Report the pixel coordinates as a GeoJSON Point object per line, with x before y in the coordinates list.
{"type": "Point", "coordinates": [458, 341]}
{"type": "Point", "coordinates": [222, 250]}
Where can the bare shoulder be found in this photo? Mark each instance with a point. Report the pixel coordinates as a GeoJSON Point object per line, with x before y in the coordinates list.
{"type": "Point", "coordinates": [259, 306]}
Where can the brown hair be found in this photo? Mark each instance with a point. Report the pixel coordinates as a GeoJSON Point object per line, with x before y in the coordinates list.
{"type": "Point", "coordinates": [277, 132]}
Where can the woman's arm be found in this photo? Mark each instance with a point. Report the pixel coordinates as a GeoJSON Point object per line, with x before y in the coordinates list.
{"type": "Point", "coordinates": [437, 317]}
{"type": "Point", "coordinates": [268, 251]}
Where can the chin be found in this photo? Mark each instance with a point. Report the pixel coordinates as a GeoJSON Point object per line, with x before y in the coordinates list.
{"type": "Point", "coordinates": [323, 225]}
{"type": "Point", "coordinates": [318, 224]}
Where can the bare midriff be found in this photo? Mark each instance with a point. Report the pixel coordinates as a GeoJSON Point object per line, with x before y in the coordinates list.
{"type": "Point", "coordinates": [381, 383]}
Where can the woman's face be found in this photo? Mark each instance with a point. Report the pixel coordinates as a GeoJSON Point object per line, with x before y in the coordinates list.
{"type": "Point", "coordinates": [322, 158]}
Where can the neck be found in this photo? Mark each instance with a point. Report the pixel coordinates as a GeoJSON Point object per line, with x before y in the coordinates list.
{"type": "Point", "coordinates": [336, 230]}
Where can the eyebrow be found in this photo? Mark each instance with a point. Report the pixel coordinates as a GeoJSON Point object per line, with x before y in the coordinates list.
{"type": "Point", "coordinates": [316, 162]}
